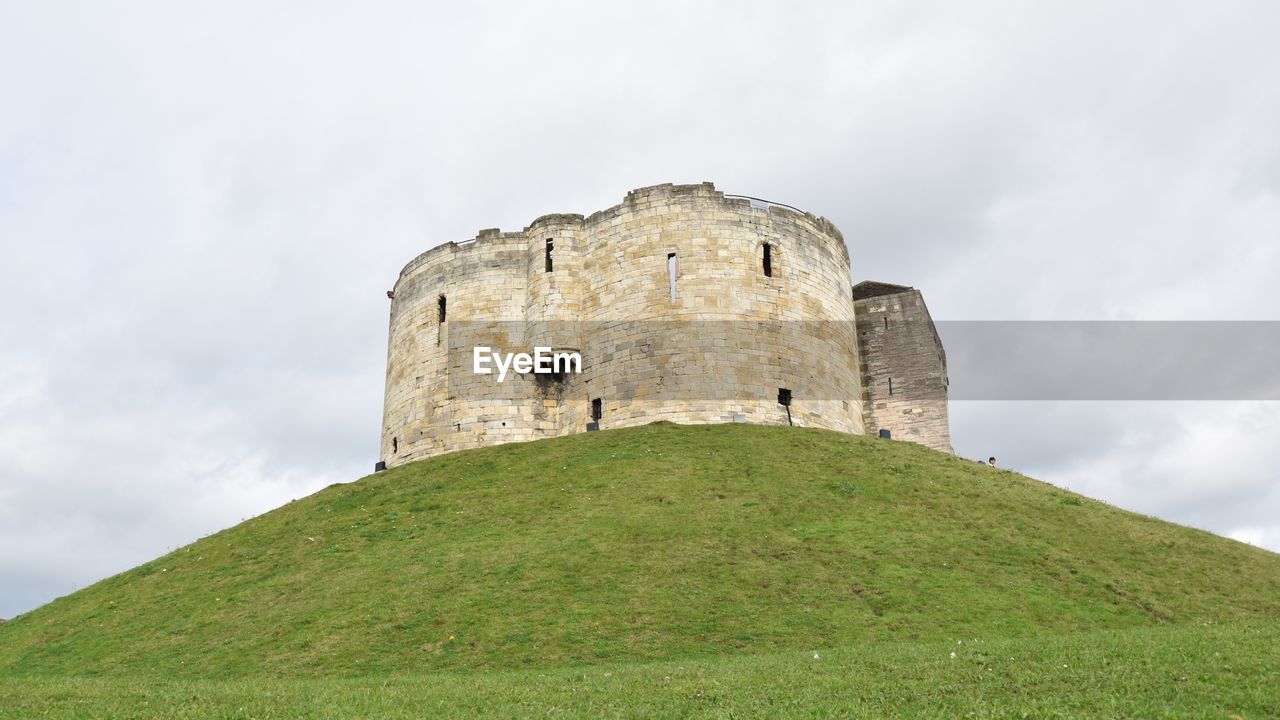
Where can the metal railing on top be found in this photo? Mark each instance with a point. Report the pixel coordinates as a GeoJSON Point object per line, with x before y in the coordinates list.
{"type": "Point", "coordinates": [766, 202]}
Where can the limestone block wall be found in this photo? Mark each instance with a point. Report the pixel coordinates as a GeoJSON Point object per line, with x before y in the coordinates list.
{"type": "Point", "coordinates": [717, 349]}
{"type": "Point", "coordinates": [904, 367]}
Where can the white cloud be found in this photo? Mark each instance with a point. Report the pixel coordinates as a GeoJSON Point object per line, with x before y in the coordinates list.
{"type": "Point", "coordinates": [1207, 464]}
{"type": "Point", "coordinates": [1266, 537]}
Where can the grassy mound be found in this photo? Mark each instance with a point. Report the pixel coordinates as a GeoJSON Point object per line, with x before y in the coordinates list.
{"type": "Point", "coordinates": [654, 543]}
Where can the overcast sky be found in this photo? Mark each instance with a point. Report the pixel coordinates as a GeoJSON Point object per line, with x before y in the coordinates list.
{"type": "Point", "coordinates": [202, 206]}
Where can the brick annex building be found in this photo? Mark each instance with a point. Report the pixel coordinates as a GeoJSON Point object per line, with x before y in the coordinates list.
{"type": "Point", "coordinates": [684, 304]}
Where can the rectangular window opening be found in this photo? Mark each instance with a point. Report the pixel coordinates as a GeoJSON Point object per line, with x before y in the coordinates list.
{"type": "Point", "coordinates": [671, 273]}
{"type": "Point", "coordinates": [550, 248]}
{"type": "Point", "coordinates": [767, 260]}
{"type": "Point", "coordinates": [597, 410]}
{"type": "Point", "coordinates": [890, 386]}
{"type": "Point", "coordinates": [440, 307]}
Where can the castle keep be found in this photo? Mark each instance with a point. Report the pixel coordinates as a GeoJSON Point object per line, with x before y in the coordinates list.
{"type": "Point", "coordinates": [683, 303]}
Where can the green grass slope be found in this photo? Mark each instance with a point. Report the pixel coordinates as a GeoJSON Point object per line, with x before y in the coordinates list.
{"type": "Point", "coordinates": [649, 544]}
{"type": "Point", "coordinates": [1171, 671]}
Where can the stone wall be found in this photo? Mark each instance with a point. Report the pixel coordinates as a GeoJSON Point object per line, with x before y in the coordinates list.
{"type": "Point", "coordinates": [904, 368]}
{"type": "Point", "coordinates": [718, 351]}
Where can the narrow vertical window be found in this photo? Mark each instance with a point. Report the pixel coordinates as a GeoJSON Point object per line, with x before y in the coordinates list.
{"type": "Point", "coordinates": [597, 411]}
{"type": "Point", "coordinates": [440, 307]}
{"type": "Point", "coordinates": [766, 260]}
{"type": "Point", "coordinates": [395, 445]}
{"type": "Point", "coordinates": [890, 386]}
{"type": "Point", "coordinates": [886, 323]}
{"type": "Point", "coordinates": [671, 273]}
{"type": "Point", "coordinates": [550, 248]}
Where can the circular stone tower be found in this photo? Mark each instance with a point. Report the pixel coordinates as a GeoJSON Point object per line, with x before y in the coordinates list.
{"type": "Point", "coordinates": [683, 304]}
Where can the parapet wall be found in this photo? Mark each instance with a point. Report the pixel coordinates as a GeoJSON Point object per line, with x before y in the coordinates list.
{"type": "Point", "coordinates": [719, 349]}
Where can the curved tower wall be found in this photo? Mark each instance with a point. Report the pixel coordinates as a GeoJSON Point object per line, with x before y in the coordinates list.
{"type": "Point", "coordinates": [719, 351]}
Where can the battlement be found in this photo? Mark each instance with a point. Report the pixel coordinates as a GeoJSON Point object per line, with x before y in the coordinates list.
{"type": "Point", "coordinates": [686, 304]}
{"type": "Point", "coordinates": [639, 201]}
{"type": "Point", "coordinates": [554, 219]}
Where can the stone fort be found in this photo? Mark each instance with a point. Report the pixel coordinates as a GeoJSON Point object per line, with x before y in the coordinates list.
{"type": "Point", "coordinates": [684, 304]}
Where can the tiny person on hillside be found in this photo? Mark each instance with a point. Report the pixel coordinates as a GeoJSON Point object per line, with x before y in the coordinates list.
{"type": "Point", "coordinates": [991, 461]}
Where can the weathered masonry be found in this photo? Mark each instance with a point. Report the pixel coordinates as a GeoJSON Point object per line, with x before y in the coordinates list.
{"type": "Point", "coordinates": [904, 368]}
{"type": "Point", "coordinates": [684, 303]}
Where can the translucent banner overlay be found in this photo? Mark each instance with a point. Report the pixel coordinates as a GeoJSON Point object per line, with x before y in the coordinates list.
{"type": "Point", "coordinates": [1113, 360]}
{"type": "Point", "coordinates": [985, 360]}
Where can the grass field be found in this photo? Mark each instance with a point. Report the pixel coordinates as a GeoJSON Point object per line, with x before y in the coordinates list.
{"type": "Point", "coordinates": [1189, 671]}
{"type": "Point", "coordinates": [515, 576]}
